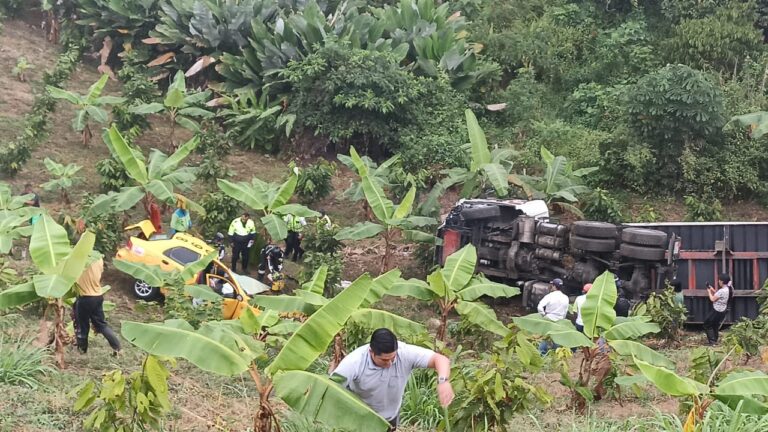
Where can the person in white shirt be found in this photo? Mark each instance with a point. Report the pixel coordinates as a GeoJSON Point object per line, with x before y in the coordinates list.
{"type": "Point", "coordinates": [578, 304]}
{"type": "Point", "coordinates": [553, 306]}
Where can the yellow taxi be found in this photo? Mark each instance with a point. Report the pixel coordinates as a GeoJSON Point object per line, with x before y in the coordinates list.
{"type": "Point", "coordinates": [173, 253]}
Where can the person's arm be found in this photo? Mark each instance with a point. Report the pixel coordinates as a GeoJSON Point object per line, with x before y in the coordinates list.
{"type": "Point", "coordinates": [712, 294]}
{"type": "Point", "coordinates": [231, 231]}
{"type": "Point", "coordinates": [442, 365]}
{"type": "Point", "coordinates": [543, 305]}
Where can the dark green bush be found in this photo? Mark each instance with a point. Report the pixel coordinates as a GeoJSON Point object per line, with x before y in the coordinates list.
{"type": "Point", "coordinates": [603, 206]}
{"type": "Point", "coordinates": [220, 210]}
{"type": "Point", "coordinates": [314, 181]}
{"type": "Point", "coordinates": [703, 209]}
{"type": "Point", "coordinates": [113, 174]}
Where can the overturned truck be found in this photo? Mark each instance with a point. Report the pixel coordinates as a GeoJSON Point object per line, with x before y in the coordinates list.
{"type": "Point", "coordinates": [518, 243]}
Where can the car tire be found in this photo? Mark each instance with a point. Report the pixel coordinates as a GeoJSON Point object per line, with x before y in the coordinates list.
{"type": "Point", "coordinates": [644, 253]}
{"type": "Point", "coordinates": [644, 237]}
{"type": "Point", "coordinates": [143, 291]}
{"type": "Point", "coordinates": [593, 244]}
{"type": "Point", "coordinates": [592, 229]}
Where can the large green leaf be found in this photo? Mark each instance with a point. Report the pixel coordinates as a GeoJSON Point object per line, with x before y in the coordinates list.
{"type": "Point", "coordinates": [406, 205]}
{"type": "Point", "coordinates": [94, 91]}
{"type": "Point", "coordinates": [18, 296]}
{"type": "Point", "coordinates": [497, 175]}
{"type": "Point", "coordinates": [381, 206]}
{"type": "Point", "coordinates": [314, 336]}
{"type": "Point", "coordinates": [71, 268]}
{"type": "Point", "coordinates": [380, 287]}
{"type": "Point", "coordinates": [173, 161]}
{"type": "Point", "coordinates": [641, 352]}
{"type": "Point", "coordinates": [753, 383]}
{"type": "Point", "coordinates": [670, 382]}
{"type": "Point", "coordinates": [178, 339]}
{"type": "Point", "coordinates": [372, 319]}
{"type": "Point", "coordinates": [133, 165]}
{"type": "Point", "coordinates": [562, 332]}
{"type": "Point", "coordinates": [253, 324]}
{"type": "Point", "coordinates": [359, 231]}
{"type": "Point", "coordinates": [284, 303]}
{"type": "Point", "coordinates": [297, 210]}
{"type": "Point", "coordinates": [284, 193]}
{"type": "Point", "coordinates": [415, 288]}
{"type": "Point", "coordinates": [68, 96]}
{"type": "Point", "coordinates": [152, 275]}
{"type": "Point", "coordinates": [203, 292]}
{"type": "Point", "coordinates": [745, 404]}
{"type": "Point", "coordinates": [459, 268]}
{"type": "Point", "coordinates": [631, 330]}
{"type": "Point", "coordinates": [482, 316]}
{"type": "Point", "coordinates": [597, 311]}
{"type": "Point", "coordinates": [311, 298]}
{"type": "Point", "coordinates": [49, 244]}
{"type": "Point", "coordinates": [163, 191]}
{"type": "Point", "coordinates": [245, 193]}
{"type": "Point", "coordinates": [480, 153]}
{"type": "Point", "coordinates": [276, 227]}
{"type": "Point", "coordinates": [317, 283]}
{"type": "Point", "coordinates": [480, 286]}
{"type": "Point", "coordinates": [192, 269]}
{"type": "Point", "coordinates": [322, 400]}
{"type": "Point", "coordinates": [150, 108]}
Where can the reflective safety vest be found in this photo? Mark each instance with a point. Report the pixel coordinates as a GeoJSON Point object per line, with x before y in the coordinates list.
{"type": "Point", "coordinates": [295, 224]}
{"type": "Point", "coordinates": [324, 221]}
{"type": "Point", "coordinates": [238, 228]}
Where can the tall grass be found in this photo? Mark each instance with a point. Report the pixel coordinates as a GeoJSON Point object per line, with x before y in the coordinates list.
{"type": "Point", "coordinates": [421, 408]}
{"type": "Point", "coordinates": [22, 364]}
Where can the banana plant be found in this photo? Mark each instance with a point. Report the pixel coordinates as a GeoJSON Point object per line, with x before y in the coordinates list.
{"type": "Point", "coordinates": [457, 287]}
{"type": "Point", "coordinates": [602, 326]}
{"type": "Point", "coordinates": [14, 217]}
{"type": "Point", "coordinates": [560, 186]}
{"type": "Point", "coordinates": [90, 106]}
{"type": "Point", "coordinates": [756, 121]}
{"type": "Point", "coordinates": [269, 198]}
{"type": "Point", "coordinates": [223, 348]}
{"type": "Point", "coordinates": [181, 105]}
{"type": "Point", "coordinates": [392, 219]}
{"type": "Point", "coordinates": [64, 178]}
{"type": "Point", "coordinates": [154, 179]}
{"type": "Point", "coordinates": [743, 391]}
{"type": "Point", "coordinates": [59, 266]}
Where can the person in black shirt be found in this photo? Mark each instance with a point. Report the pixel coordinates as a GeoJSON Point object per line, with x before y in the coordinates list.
{"type": "Point", "coordinates": [35, 201]}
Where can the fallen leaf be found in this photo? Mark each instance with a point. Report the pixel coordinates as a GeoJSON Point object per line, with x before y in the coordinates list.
{"type": "Point", "coordinates": [162, 59]}
{"type": "Point", "coordinates": [151, 41]}
{"type": "Point", "coordinates": [159, 76]}
{"type": "Point", "coordinates": [496, 107]}
{"type": "Point", "coordinates": [201, 63]}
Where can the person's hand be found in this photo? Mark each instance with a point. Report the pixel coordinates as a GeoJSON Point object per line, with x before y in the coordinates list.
{"type": "Point", "coordinates": [445, 393]}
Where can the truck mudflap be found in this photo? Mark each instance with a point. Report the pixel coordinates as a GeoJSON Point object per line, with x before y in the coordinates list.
{"type": "Point", "coordinates": [451, 243]}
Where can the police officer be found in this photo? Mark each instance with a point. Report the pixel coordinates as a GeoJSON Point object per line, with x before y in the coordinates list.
{"type": "Point", "coordinates": [324, 221]}
{"type": "Point", "coordinates": [293, 241]}
{"type": "Point", "coordinates": [271, 260]}
{"type": "Point", "coordinates": [241, 233]}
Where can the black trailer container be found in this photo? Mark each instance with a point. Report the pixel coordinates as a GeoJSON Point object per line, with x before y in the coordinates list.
{"type": "Point", "coordinates": [709, 248]}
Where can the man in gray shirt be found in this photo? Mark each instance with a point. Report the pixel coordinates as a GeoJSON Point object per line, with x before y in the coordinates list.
{"type": "Point", "coordinates": [379, 371]}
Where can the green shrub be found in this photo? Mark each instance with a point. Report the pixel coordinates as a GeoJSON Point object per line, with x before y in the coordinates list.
{"type": "Point", "coordinates": [214, 146]}
{"type": "Point", "coordinates": [663, 310]}
{"type": "Point", "coordinates": [220, 210]}
{"type": "Point", "coordinates": [21, 364]}
{"type": "Point", "coordinates": [747, 335]}
{"type": "Point", "coordinates": [315, 260]}
{"type": "Point", "coordinates": [318, 238]}
{"type": "Point", "coordinates": [314, 181]}
{"type": "Point", "coordinates": [602, 206]}
{"type": "Point", "coordinates": [113, 175]}
{"type": "Point", "coordinates": [107, 227]}
{"type": "Point", "coordinates": [704, 209]}
{"type": "Point", "coordinates": [647, 214]}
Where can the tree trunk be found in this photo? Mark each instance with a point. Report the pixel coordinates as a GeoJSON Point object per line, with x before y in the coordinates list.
{"type": "Point", "coordinates": [265, 419]}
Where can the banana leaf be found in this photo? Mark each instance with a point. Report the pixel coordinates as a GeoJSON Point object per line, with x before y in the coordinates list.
{"type": "Point", "coordinates": [744, 384]}
{"type": "Point", "coordinates": [173, 161]}
{"type": "Point", "coordinates": [479, 146]}
{"type": "Point", "coordinates": [178, 339]}
{"type": "Point", "coordinates": [244, 192]}
{"type": "Point", "coordinates": [380, 287]}
{"type": "Point", "coordinates": [317, 283]}
{"type": "Point", "coordinates": [373, 319]}
{"type": "Point", "coordinates": [459, 268]}
{"type": "Point", "coordinates": [283, 303]}
{"type": "Point", "coordinates": [276, 227]}
{"type": "Point", "coordinates": [18, 295]}
{"type": "Point", "coordinates": [597, 311]}
{"type": "Point", "coordinates": [480, 286]}
{"type": "Point", "coordinates": [411, 288]}
{"type": "Point", "coordinates": [482, 316]}
{"type": "Point", "coordinates": [359, 231]}
{"type": "Point", "coordinates": [322, 400]}
{"type": "Point", "coordinates": [641, 352]}
{"type": "Point", "coordinates": [284, 193]}
{"type": "Point", "coordinates": [134, 166]}
{"type": "Point", "coordinates": [152, 275]}
{"type": "Point", "coordinates": [49, 244]}
{"type": "Point", "coordinates": [406, 205]}
{"type": "Point", "coordinates": [631, 330]}
{"type": "Point", "coordinates": [670, 382]}
{"type": "Point", "coordinates": [317, 332]}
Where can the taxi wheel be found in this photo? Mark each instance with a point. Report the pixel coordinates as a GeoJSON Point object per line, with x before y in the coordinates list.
{"type": "Point", "coordinates": [143, 291]}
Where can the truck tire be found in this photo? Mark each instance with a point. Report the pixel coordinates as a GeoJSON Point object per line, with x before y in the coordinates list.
{"type": "Point", "coordinates": [143, 291]}
{"type": "Point", "coordinates": [550, 241]}
{"type": "Point", "coordinates": [593, 244]}
{"type": "Point", "coordinates": [591, 229]}
{"type": "Point", "coordinates": [644, 237]}
{"type": "Point", "coordinates": [641, 252]}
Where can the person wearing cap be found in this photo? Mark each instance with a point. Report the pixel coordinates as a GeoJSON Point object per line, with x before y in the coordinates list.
{"type": "Point", "coordinates": [241, 233]}
{"type": "Point", "coordinates": [578, 304]}
{"type": "Point", "coordinates": [553, 306]}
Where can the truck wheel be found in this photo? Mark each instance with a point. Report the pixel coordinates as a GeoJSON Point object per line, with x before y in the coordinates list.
{"type": "Point", "coordinates": [601, 230]}
{"type": "Point", "coordinates": [642, 252]}
{"type": "Point", "coordinates": [143, 291]}
{"type": "Point", "coordinates": [644, 237]}
{"type": "Point", "coordinates": [593, 244]}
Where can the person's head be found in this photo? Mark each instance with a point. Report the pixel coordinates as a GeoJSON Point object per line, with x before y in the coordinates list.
{"type": "Point", "coordinates": [322, 213]}
{"type": "Point", "coordinates": [586, 288]}
{"type": "Point", "coordinates": [181, 203]}
{"type": "Point", "coordinates": [724, 279]}
{"type": "Point", "coordinates": [383, 347]}
{"type": "Point", "coordinates": [28, 188]}
{"type": "Point", "coordinates": [245, 217]}
{"type": "Point", "coordinates": [556, 284]}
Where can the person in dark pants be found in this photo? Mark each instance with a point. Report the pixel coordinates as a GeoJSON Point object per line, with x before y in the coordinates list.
{"type": "Point", "coordinates": [89, 308]}
{"type": "Point", "coordinates": [241, 233]}
{"type": "Point", "coordinates": [295, 235]}
{"type": "Point", "coordinates": [271, 260]}
{"type": "Point", "coordinates": [719, 299]}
